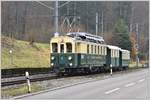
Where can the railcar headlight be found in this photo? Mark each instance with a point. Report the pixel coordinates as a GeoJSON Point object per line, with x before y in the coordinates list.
{"type": "Point", "coordinates": [70, 64]}
{"type": "Point", "coordinates": [52, 58]}
{"type": "Point", "coordinates": [52, 64]}
{"type": "Point", "coordinates": [69, 58]}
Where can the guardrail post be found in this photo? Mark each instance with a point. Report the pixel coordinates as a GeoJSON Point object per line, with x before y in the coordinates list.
{"type": "Point", "coordinates": [111, 69]}
{"type": "Point", "coordinates": [28, 81]}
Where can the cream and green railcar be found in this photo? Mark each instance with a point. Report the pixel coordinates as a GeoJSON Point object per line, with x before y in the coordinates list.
{"type": "Point", "coordinates": [72, 55]}
{"type": "Point", "coordinates": [85, 53]}
{"type": "Point", "coordinates": [125, 58]}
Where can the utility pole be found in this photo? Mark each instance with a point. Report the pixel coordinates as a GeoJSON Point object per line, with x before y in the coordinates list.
{"type": "Point", "coordinates": [102, 23]}
{"type": "Point", "coordinates": [131, 21]}
{"type": "Point", "coordinates": [74, 14]}
{"type": "Point", "coordinates": [56, 18]}
{"type": "Point", "coordinates": [131, 28]}
{"type": "Point", "coordinates": [87, 17]}
{"type": "Point", "coordinates": [96, 23]}
{"type": "Point", "coordinates": [137, 46]}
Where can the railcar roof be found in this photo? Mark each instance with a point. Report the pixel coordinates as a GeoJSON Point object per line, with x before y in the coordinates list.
{"type": "Point", "coordinates": [113, 47]}
{"type": "Point", "coordinates": [125, 50]}
{"type": "Point", "coordinates": [85, 36]}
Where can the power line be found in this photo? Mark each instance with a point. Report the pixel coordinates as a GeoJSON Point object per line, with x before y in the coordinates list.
{"type": "Point", "coordinates": [64, 4]}
{"type": "Point", "coordinates": [45, 5]}
{"type": "Point", "coordinates": [56, 12]}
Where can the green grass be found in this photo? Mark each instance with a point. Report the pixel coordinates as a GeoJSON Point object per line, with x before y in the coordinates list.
{"type": "Point", "coordinates": [25, 56]}
{"type": "Point", "coordinates": [133, 64]}
{"type": "Point", "coordinates": [19, 90]}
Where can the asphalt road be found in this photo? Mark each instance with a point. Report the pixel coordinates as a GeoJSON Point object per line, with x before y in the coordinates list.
{"type": "Point", "coordinates": [134, 85]}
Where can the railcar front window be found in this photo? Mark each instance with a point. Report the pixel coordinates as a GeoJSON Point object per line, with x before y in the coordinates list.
{"type": "Point", "coordinates": [62, 48]}
{"type": "Point", "coordinates": [54, 47]}
{"type": "Point", "coordinates": [69, 47]}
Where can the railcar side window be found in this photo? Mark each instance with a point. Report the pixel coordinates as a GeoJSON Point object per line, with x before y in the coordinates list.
{"type": "Point", "coordinates": [69, 47]}
{"type": "Point", "coordinates": [87, 48]}
{"type": "Point", "coordinates": [54, 47]}
{"type": "Point", "coordinates": [98, 49]}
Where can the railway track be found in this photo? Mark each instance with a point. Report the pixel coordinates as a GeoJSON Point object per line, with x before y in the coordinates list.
{"type": "Point", "coordinates": [22, 79]}
{"type": "Point", "coordinates": [41, 77]}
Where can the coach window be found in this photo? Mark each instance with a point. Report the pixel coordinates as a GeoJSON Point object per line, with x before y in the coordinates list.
{"type": "Point", "coordinates": [54, 47]}
{"type": "Point", "coordinates": [95, 50]}
{"type": "Point", "coordinates": [111, 53]}
{"type": "Point", "coordinates": [101, 50]}
{"type": "Point", "coordinates": [91, 49]}
{"type": "Point", "coordinates": [104, 50]}
{"type": "Point", "coordinates": [69, 47]}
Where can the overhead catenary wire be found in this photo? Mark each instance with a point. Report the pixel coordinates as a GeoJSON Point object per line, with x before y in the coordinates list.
{"type": "Point", "coordinates": [56, 12]}
{"type": "Point", "coordinates": [64, 4]}
{"type": "Point", "coordinates": [45, 5]}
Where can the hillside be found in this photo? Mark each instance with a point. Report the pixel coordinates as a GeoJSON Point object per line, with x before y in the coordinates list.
{"type": "Point", "coordinates": [24, 55]}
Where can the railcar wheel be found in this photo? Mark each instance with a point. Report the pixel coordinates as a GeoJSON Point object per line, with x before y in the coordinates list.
{"type": "Point", "coordinates": [60, 74]}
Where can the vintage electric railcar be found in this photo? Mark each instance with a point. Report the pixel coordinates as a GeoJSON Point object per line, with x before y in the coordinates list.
{"type": "Point", "coordinates": [82, 52]}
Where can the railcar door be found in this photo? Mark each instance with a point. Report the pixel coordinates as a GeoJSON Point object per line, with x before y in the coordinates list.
{"type": "Point", "coordinates": [62, 55]}
{"type": "Point", "coordinates": [108, 57]}
{"type": "Point", "coordinates": [120, 58]}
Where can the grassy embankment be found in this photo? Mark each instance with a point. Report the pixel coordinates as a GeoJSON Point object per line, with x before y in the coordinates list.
{"type": "Point", "coordinates": [19, 90]}
{"type": "Point", "coordinates": [24, 55]}
{"type": "Point", "coordinates": [27, 56]}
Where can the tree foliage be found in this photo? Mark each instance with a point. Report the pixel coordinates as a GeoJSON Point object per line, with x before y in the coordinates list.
{"type": "Point", "coordinates": [133, 45]}
{"type": "Point", "coordinates": [121, 35]}
{"type": "Point", "coordinates": [121, 27]}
